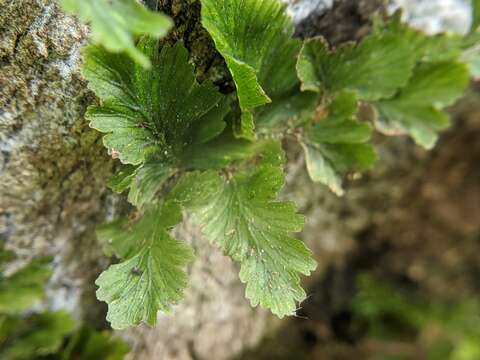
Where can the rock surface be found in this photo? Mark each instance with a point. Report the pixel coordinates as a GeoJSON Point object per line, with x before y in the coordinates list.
{"type": "Point", "coordinates": [435, 16]}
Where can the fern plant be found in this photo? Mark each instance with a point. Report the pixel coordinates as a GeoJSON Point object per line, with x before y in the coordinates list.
{"type": "Point", "coordinates": [26, 333]}
{"type": "Point", "coordinates": [186, 146]}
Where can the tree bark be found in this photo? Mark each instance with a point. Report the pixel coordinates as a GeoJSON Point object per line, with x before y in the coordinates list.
{"type": "Point", "coordinates": [53, 170]}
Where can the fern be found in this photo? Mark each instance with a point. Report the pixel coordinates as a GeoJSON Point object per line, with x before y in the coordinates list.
{"type": "Point", "coordinates": [186, 146]}
{"type": "Point", "coordinates": [242, 216]}
{"type": "Point", "coordinates": [337, 143]}
{"type": "Point", "coordinates": [114, 23]}
{"type": "Point", "coordinates": [26, 334]}
{"type": "Point", "coordinates": [151, 278]}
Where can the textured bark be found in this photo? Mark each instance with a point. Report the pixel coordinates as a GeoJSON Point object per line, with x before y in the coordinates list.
{"type": "Point", "coordinates": [53, 171]}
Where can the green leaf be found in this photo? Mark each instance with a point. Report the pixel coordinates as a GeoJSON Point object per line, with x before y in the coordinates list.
{"type": "Point", "coordinates": [475, 15]}
{"type": "Point", "coordinates": [24, 288]}
{"type": "Point", "coordinates": [146, 183]}
{"type": "Point", "coordinates": [88, 344]}
{"type": "Point", "coordinates": [124, 237]}
{"type": "Point", "coordinates": [122, 180]}
{"type": "Point", "coordinates": [471, 53]}
{"type": "Point", "coordinates": [375, 302]}
{"type": "Point", "coordinates": [255, 38]}
{"type": "Point", "coordinates": [217, 154]}
{"type": "Point", "coordinates": [37, 336]}
{"type": "Point", "coordinates": [147, 111]}
{"type": "Point", "coordinates": [115, 22]}
{"type": "Point", "coordinates": [416, 109]}
{"type": "Point", "coordinates": [151, 279]}
{"type": "Point", "coordinates": [242, 216]}
{"type": "Point", "coordinates": [439, 47]}
{"type": "Point", "coordinates": [210, 125]}
{"type": "Point", "coordinates": [288, 110]}
{"type": "Point", "coordinates": [117, 238]}
{"type": "Point", "coordinates": [337, 144]}
{"type": "Point", "coordinates": [472, 58]}
{"type": "Point", "coordinates": [374, 69]}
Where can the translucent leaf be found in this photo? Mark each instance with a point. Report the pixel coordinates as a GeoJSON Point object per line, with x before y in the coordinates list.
{"type": "Point", "coordinates": [152, 277]}
{"type": "Point", "coordinates": [374, 69]}
{"type": "Point", "coordinates": [255, 38]}
{"type": "Point", "coordinates": [115, 22]}
{"type": "Point", "coordinates": [242, 216]}
{"type": "Point", "coordinates": [416, 109]}
{"type": "Point", "coordinates": [147, 111]}
{"type": "Point", "coordinates": [337, 143]}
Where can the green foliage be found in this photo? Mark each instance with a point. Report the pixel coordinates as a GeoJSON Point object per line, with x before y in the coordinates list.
{"type": "Point", "coordinates": [151, 278]}
{"type": "Point", "coordinates": [25, 287]}
{"type": "Point", "coordinates": [115, 22]}
{"type": "Point", "coordinates": [416, 109]}
{"type": "Point", "coordinates": [186, 146]}
{"type": "Point", "coordinates": [36, 336]}
{"type": "Point", "coordinates": [148, 111]}
{"type": "Point", "coordinates": [242, 216]}
{"type": "Point", "coordinates": [447, 331]}
{"type": "Point", "coordinates": [255, 39]}
{"type": "Point", "coordinates": [475, 15]}
{"type": "Point", "coordinates": [374, 301]}
{"type": "Point", "coordinates": [54, 336]}
{"type": "Point", "coordinates": [88, 344]}
{"type": "Point", "coordinates": [25, 335]}
{"type": "Point", "coordinates": [374, 69]}
{"type": "Point", "coordinates": [471, 53]}
{"type": "Point", "coordinates": [337, 143]}
{"type": "Point", "coordinates": [395, 70]}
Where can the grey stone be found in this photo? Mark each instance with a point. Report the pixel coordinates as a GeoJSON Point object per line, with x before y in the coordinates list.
{"type": "Point", "coordinates": [435, 16]}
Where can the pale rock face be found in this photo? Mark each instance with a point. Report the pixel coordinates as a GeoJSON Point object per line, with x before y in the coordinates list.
{"type": "Point", "coordinates": [299, 10]}
{"type": "Point", "coordinates": [431, 16]}
{"type": "Point", "coordinates": [435, 16]}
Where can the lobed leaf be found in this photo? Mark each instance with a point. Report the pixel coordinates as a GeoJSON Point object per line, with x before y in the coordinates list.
{"type": "Point", "coordinates": [337, 143]}
{"type": "Point", "coordinates": [243, 218]}
{"type": "Point", "coordinates": [88, 344]}
{"type": "Point", "coordinates": [115, 22]}
{"type": "Point", "coordinates": [151, 278]}
{"type": "Point", "coordinates": [148, 111]}
{"type": "Point", "coordinates": [417, 109]}
{"type": "Point", "coordinates": [147, 181]}
{"type": "Point", "coordinates": [255, 38]}
{"type": "Point", "coordinates": [374, 69]}
{"type": "Point", "coordinates": [423, 47]}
